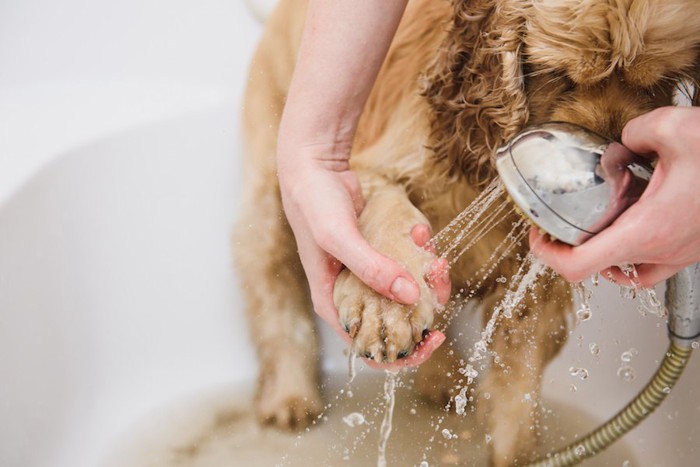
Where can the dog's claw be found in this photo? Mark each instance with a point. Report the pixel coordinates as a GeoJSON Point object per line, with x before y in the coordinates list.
{"type": "Point", "coordinates": [353, 327]}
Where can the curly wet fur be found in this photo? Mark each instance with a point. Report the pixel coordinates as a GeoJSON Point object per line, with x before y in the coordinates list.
{"type": "Point", "coordinates": [475, 86]}
{"type": "Point", "coordinates": [459, 80]}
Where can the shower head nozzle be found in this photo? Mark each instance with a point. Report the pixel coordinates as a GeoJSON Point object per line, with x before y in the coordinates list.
{"type": "Point", "coordinates": [570, 181]}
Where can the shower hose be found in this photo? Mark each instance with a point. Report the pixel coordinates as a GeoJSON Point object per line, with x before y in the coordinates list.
{"type": "Point", "coordinates": [641, 406]}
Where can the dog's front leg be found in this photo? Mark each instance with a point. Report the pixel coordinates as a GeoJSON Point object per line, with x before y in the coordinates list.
{"type": "Point", "coordinates": [382, 329]}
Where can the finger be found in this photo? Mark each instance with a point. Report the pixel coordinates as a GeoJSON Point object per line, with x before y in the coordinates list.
{"type": "Point", "coordinates": [420, 234]}
{"type": "Point", "coordinates": [420, 354]}
{"type": "Point", "coordinates": [610, 247]}
{"type": "Point", "coordinates": [651, 274]}
{"type": "Point", "coordinates": [378, 271]}
{"type": "Point", "coordinates": [321, 271]}
{"type": "Point", "coordinates": [652, 131]}
{"type": "Point", "coordinates": [438, 279]}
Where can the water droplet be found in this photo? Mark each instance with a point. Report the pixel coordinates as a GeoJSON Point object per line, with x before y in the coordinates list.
{"type": "Point", "coordinates": [461, 401]}
{"type": "Point", "coordinates": [469, 372]}
{"type": "Point", "coordinates": [627, 355]}
{"type": "Point", "coordinates": [594, 348]}
{"type": "Point", "coordinates": [501, 280]}
{"type": "Point", "coordinates": [627, 464]}
{"type": "Point", "coordinates": [447, 434]}
{"type": "Point", "coordinates": [424, 464]}
{"type": "Point", "coordinates": [695, 344]}
{"type": "Point", "coordinates": [354, 419]}
{"type": "Point", "coordinates": [626, 373]}
{"type": "Point", "coordinates": [582, 373]}
{"type": "Point", "coordinates": [580, 450]}
{"type": "Point", "coordinates": [595, 279]}
{"type": "Point", "coordinates": [627, 292]}
{"type": "Point", "coordinates": [573, 388]}
{"type": "Point", "coordinates": [583, 314]}
{"type": "Point", "coordinates": [487, 437]}
{"type": "Point", "coordinates": [666, 390]}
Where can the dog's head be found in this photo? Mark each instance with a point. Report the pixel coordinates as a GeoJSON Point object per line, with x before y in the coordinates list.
{"type": "Point", "coordinates": [598, 63]}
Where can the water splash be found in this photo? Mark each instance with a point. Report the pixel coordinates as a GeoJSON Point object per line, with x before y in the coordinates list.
{"type": "Point", "coordinates": [649, 301]}
{"type": "Point", "coordinates": [352, 355]}
{"type": "Point", "coordinates": [461, 401]}
{"type": "Point", "coordinates": [583, 294]}
{"type": "Point", "coordinates": [385, 430]}
{"type": "Point", "coordinates": [354, 419]}
{"type": "Point", "coordinates": [521, 282]}
{"type": "Point", "coordinates": [463, 226]}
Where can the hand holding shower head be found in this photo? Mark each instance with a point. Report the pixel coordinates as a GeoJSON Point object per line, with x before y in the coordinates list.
{"type": "Point", "coordinates": [570, 181]}
{"type": "Point", "coordinates": [573, 183]}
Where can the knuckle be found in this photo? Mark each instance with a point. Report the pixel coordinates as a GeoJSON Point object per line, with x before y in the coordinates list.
{"type": "Point", "coordinates": [371, 272]}
{"type": "Point", "coordinates": [325, 237]}
{"type": "Point", "coordinates": [666, 124]}
{"type": "Point", "coordinates": [572, 275]}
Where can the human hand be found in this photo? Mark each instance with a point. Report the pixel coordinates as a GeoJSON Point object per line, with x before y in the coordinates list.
{"type": "Point", "coordinates": [325, 246]}
{"type": "Point", "coordinates": [660, 234]}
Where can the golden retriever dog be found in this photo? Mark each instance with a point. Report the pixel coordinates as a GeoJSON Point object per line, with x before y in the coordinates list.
{"type": "Point", "coordinates": [460, 79]}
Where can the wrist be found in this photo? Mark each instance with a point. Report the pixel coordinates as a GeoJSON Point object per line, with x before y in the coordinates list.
{"type": "Point", "coordinates": [302, 145]}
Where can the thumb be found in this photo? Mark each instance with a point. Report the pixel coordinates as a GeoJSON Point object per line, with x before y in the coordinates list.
{"type": "Point", "coordinates": [378, 271]}
{"type": "Point", "coordinates": [651, 132]}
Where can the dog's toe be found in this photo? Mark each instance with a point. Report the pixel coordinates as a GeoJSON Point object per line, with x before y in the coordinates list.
{"type": "Point", "coordinates": [381, 329]}
{"type": "Point", "coordinates": [293, 413]}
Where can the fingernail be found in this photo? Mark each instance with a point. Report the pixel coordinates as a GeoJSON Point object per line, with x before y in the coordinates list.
{"type": "Point", "coordinates": [404, 291]}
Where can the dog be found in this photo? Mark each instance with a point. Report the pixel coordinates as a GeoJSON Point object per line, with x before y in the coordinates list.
{"type": "Point", "coordinates": [460, 80]}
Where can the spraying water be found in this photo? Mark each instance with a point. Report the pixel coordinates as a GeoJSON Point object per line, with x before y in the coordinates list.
{"type": "Point", "coordinates": [385, 430]}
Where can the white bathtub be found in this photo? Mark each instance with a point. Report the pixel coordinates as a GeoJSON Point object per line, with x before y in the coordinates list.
{"type": "Point", "coordinates": [118, 188]}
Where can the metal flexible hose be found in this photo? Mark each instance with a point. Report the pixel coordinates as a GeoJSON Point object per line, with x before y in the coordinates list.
{"type": "Point", "coordinates": [644, 404]}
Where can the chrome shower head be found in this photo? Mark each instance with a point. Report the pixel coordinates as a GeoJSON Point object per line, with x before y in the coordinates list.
{"type": "Point", "coordinates": [570, 181]}
{"type": "Point", "coordinates": [573, 183]}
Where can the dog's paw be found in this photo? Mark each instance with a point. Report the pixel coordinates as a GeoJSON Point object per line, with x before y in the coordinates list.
{"type": "Point", "coordinates": [286, 398]}
{"type": "Point", "coordinates": [381, 329]}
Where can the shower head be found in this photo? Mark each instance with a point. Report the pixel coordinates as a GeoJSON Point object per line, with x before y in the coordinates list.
{"type": "Point", "coordinates": [570, 181]}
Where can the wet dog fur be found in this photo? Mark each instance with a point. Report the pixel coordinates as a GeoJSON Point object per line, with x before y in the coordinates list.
{"type": "Point", "coordinates": [460, 79]}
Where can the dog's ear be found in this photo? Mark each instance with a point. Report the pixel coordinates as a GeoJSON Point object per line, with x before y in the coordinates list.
{"type": "Point", "coordinates": [475, 86]}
